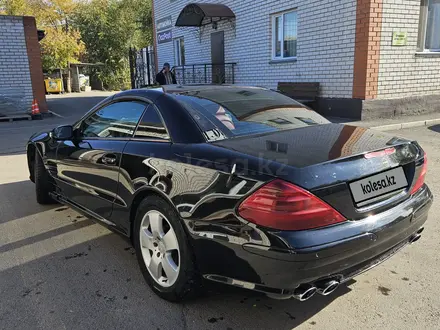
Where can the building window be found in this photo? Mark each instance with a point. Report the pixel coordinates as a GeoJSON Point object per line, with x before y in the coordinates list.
{"type": "Point", "coordinates": [179, 52]}
{"type": "Point", "coordinates": [430, 26]}
{"type": "Point", "coordinates": [284, 35]}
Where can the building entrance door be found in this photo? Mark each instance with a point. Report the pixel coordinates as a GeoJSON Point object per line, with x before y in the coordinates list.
{"type": "Point", "coordinates": [218, 57]}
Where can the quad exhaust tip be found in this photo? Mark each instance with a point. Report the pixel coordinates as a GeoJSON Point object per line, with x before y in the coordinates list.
{"type": "Point", "coordinates": [415, 238]}
{"type": "Point", "coordinates": [326, 288]}
{"type": "Point", "coordinates": [304, 292]}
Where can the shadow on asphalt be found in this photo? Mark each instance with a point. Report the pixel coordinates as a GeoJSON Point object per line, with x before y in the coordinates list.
{"type": "Point", "coordinates": [69, 281]}
{"type": "Point", "coordinates": [98, 284]}
{"type": "Point", "coordinates": [43, 236]}
{"type": "Point", "coordinates": [435, 128]}
{"type": "Point", "coordinates": [243, 309]}
{"type": "Point", "coordinates": [20, 193]}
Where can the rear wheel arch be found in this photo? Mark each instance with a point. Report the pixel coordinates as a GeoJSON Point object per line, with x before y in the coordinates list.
{"type": "Point", "coordinates": [140, 196]}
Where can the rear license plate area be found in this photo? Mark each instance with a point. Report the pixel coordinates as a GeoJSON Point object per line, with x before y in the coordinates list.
{"type": "Point", "coordinates": [378, 185]}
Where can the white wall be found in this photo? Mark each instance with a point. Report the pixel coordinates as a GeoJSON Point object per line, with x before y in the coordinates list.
{"type": "Point", "coordinates": [15, 80]}
{"type": "Point", "coordinates": [402, 73]}
{"type": "Point", "coordinates": [326, 35]}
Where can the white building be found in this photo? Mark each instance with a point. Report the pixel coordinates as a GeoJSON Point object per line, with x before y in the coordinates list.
{"type": "Point", "coordinates": [367, 55]}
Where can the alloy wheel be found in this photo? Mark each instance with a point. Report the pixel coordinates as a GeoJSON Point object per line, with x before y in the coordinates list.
{"type": "Point", "coordinates": [160, 248]}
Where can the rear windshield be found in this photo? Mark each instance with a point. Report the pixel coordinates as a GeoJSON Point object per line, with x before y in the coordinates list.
{"type": "Point", "coordinates": [231, 112]}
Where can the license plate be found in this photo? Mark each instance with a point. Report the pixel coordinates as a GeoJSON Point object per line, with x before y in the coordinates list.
{"type": "Point", "coordinates": [378, 184]}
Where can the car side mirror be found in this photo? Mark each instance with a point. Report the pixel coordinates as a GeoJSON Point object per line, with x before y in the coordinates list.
{"type": "Point", "coordinates": [64, 132]}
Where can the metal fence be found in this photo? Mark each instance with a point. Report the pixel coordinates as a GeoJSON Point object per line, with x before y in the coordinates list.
{"type": "Point", "coordinates": [142, 67]}
{"type": "Point", "coordinates": [206, 73]}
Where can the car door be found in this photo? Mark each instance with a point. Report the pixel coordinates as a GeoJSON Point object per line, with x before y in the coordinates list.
{"type": "Point", "coordinates": [145, 164]}
{"type": "Point", "coordinates": [88, 165]}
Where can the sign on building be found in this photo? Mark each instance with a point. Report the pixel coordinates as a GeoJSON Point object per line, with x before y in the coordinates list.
{"type": "Point", "coordinates": [164, 23]}
{"type": "Point", "coordinates": [400, 39]}
{"type": "Point", "coordinates": [165, 36]}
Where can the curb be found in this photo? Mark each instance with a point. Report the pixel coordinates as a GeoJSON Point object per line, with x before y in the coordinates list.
{"type": "Point", "coordinates": [52, 114]}
{"type": "Point", "coordinates": [411, 124]}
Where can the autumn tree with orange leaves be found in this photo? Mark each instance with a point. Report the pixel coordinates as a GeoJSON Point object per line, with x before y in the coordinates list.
{"type": "Point", "coordinates": [62, 43]}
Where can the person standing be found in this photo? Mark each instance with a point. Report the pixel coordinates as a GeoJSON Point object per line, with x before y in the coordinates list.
{"type": "Point", "coordinates": [165, 76]}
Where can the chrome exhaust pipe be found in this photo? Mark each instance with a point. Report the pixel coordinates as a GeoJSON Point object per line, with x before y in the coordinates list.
{"type": "Point", "coordinates": [420, 230]}
{"type": "Point", "coordinates": [304, 292]}
{"type": "Point", "coordinates": [415, 238]}
{"type": "Point", "coordinates": [327, 287]}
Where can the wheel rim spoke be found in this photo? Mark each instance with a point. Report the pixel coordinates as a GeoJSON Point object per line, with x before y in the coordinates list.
{"type": "Point", "coordinates": [156, 224]}
{"type": "Point", "coordinates": [146, 239]}
{"type": "Point", "coordinates": [170, 268]}
{"type": "Point", "coordinates": [155, 267]}
{"type": "Point", "coordinates": [170, 241]}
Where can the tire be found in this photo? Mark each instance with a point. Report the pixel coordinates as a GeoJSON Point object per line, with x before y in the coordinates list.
{"type": "Point", "coordinates": [42, 182]}
{"type": "Point", "coordinates": [173, 288]}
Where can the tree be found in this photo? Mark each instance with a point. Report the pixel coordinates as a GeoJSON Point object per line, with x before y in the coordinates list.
{"type": "Point", "coordinates": [109, 28]}
{"type": "Point", "coordinates": [60, 47]}
{"type": "Point", "coordinates": [62, 44]}
{"type": "Point", "coordinates": [96, 30]}
{"type": "Point", "coordinates": [13, 7]}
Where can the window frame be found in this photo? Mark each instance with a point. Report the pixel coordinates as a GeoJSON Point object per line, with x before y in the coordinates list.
{"type": "Point", "coordinates": [274, 36]}
{"type": "Point", "coordinates": [151, 139]}
{"type": "Point", "coordinates": [191, 110]}
{"type": "Point", "coordinates": [78, 126]}
{"type": "Point", "coordinates": [179, 60]}
{"type": "Point", "coordinates": [423, 27]}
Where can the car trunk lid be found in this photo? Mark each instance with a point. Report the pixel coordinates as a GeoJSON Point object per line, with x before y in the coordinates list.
{"type": "Point", "coordinates": [356, 170]}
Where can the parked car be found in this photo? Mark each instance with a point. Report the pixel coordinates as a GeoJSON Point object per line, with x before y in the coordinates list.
{"type": "Point", "coordinates": [237, 185]}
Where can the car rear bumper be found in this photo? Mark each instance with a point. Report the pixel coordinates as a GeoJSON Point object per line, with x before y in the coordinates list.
{"type": "Point", "coordinates": [337, 252]}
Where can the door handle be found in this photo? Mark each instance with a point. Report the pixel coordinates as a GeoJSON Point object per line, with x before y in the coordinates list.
{"type": "Point", "coordinates": [109, 159]}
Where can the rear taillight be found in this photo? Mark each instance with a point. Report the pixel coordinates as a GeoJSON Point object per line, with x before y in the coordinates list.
{"type": "Point", "coordinates": [381, 153]}
{"type": "Point", "coordinates": [284, 206]}
{"type": "Point", "coordinates": [421, 179]}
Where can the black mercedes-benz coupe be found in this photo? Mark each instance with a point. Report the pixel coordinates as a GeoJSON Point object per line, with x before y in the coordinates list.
{"type": "Point", "coordinates": [238, 185]}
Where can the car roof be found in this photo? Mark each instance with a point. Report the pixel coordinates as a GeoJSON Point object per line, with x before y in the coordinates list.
{"type": "Point", "coordinates": [201, 87]}
{"type": "Point", "coordinates": [156, 92]}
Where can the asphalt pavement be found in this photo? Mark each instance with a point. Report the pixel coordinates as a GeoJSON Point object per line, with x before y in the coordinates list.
{"type": "Point", "coordinates": [66, 109]}
{"type": "Point", "coordinates": [59, 270]}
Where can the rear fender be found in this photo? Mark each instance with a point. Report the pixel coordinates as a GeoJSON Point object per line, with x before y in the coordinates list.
{"type": "Point", "coordinates": [140, 195]}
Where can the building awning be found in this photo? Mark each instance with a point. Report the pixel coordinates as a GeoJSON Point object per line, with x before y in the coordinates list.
{"type": "Point", "coordinates": [199, 14]}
